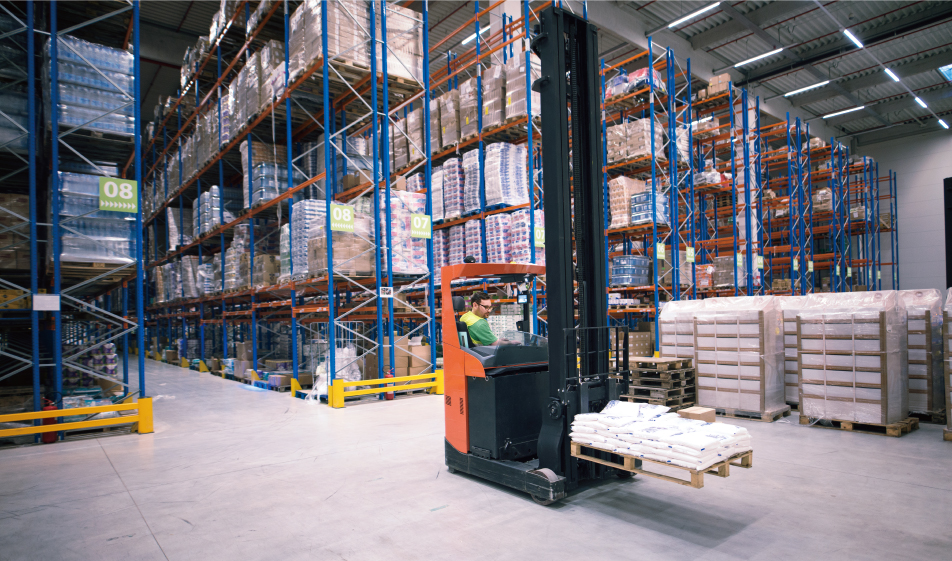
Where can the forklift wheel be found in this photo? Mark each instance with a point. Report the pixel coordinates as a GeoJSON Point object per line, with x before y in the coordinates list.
{"type": "Point", "coordinates": [541, 501]}
{"type": "Point", "coordinates": [623, 474]}
{"type": "Point", "coordinates": [451, 470]}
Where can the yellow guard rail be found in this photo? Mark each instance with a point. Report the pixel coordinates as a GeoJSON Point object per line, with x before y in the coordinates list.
{"type": "Point", "coordinates": [337, 392]}
{"type": "Point", "coordinates": [142, 418]}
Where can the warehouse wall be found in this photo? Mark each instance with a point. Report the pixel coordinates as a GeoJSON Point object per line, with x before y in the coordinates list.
{"type": "Point", "coordinates": [921, 163]}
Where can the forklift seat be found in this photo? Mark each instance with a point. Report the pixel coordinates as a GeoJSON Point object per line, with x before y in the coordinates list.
{"type": "Point", "coordinates": [462, 331]}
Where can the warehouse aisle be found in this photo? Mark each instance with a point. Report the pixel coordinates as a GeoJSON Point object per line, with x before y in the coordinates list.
{"type": "Point", "coordinates": [236, 474]}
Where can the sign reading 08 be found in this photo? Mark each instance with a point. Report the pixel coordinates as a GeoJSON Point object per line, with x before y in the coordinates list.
{"type": "Point", "coordinates": [118, 195]}
{"type": "Point", "coordinates": [342, 218]}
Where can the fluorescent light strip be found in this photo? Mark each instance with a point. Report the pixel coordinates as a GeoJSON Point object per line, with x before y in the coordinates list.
{"type": "Point", "coordinates": [758, 57]}
{"type": "Point", "coordinates": [891, 75]}
{"type": "Point", "coordinates": [844, 112]}
{"type": "Point", "coordinates": [704, 120]}
{"type": "Point", "coordinates": [694, 15]}
{"type": "Point", "coordinates": [853, 38]}
{"type": "Point", "coordinates": [922, 103]}
{"type": "Point", "coordinates": [808, 88]}
{"type": "Point", "coordinates": [473, 36]}
{"type": "Point", "coordinates": [941, 122]}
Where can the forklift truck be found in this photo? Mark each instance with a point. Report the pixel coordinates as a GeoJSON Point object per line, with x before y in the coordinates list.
{"type": "Point", "coordinates": [508, 408]}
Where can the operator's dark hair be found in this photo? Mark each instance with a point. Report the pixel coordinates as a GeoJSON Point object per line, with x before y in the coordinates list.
{"type": "Point", "coordinates": [477, 297]}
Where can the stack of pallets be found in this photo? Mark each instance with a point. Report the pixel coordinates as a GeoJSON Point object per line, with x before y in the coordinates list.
{"type": "Point", "coordinates": [662, 381]}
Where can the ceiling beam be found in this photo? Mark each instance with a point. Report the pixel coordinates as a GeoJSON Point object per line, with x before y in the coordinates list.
{"type": "Point", "coordinates": [876, 78]}
{"type": "Point", "coordinates": [894, 133]}
{"type": "Point", "coordinates": [841, 44]}
{"type": "Point", "coordinates": [759, 17]}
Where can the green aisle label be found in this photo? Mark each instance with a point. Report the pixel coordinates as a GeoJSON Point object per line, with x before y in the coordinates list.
{"type": "Point", "coordinates": [540, 236]}
{"type": "Point", "coordinates": [796, 264]}
{"type": "Point", "coordinates": [760, 262]}
{"type": "Point", "coordinates": [810, 266]}
{"type": "Point", "coordinates": [660, 251]}
{"type": "Point", "coordinates": [342, 218]}
{"type": "Point", "coordinates": [879, 275]}
{"type": "Point", "coordinates": [420, 226]}
{"type": "Point", "coordinates": [849, 271]}
{"type": "Point", "coordinates": [118, 195]}
{"type": "Point", "coordinates": [689, 254]}
{"type": "Point", "coordinates": [740, 259]}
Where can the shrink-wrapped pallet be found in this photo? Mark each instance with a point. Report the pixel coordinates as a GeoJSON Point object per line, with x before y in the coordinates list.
{"type": "Point", "coordinates": [516, 86]}
{"type": "Point", "coordinates": [924, 331]}
{"type": "Point", "coordinates": [947, 361]}
{"type": "Point", "coordinates": [620, 191]}
{"type": "Point", "coordinates": [436, 196]}
{"type": "Point", "coordinates": [399, 145]}
{"type": "Point", "coordinates": [353, 251]}
{"type": "Point", "coordinates": [739, 349]}
{"type": "Point", "coordinates": [853, 357]}
{"type": "Point", "coordinates": [523, 237]}
{"type": "Point", "coordinates": [506, 177]}
{"type": "Point", "coordinates": [468, 111]}
{"type": "Point", "coordinates": [494, 90]}
{"type": "Point", "coordinates": [471, 193]}
{"type": "Point", "coordinates": [449, 119]}
{"type": "Point", "coordinates": [436, 143]}
{"type": "Point", "coordinates": [415, 145]}
{"type": "Point", "coordinates": [454, 181]}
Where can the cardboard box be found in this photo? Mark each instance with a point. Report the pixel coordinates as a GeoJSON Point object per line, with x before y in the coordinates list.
{"type": "Point", "coordinates": [699, 414]}
{"type": "Point", "coordinates": [170, 356]}
{"type": "Point", "coordinates": [306, 379]}
{"type": "Point", "coordinates": [419, 355]}
{"type": "Point", "coordinates": [243, 351]}
{"type": "Point", "coordinates": [414, 370]}
{"type": "Point", "coordinates": [279, 380]}
{"type": "Point", "coordinates": [213, 364]}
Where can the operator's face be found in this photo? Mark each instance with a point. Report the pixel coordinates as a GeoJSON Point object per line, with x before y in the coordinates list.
{"type": "Point", "coordinates": [483, 308]}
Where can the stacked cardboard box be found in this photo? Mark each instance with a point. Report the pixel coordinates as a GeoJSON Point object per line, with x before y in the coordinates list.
{"type": "Point", "coordinates": [17, 256]}
{"type": "Point", "coordinates": [790, 308]}
{"type": "Point", "coordinates": [449, 119]}
{"type": "Point", "coordinates": [924, 329]}
{"type": "Point", "coordinates": [516, 86]}
{"type": "Point", "coordinates": [718, 84]}
{"type": "Point", "coordinates": [620, 190]}
{"type": "Point", "coordinates": [353, 251]}
{"type": "Point", "coordinates": [468, 111]}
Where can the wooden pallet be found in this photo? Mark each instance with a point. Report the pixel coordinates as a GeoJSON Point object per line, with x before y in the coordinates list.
{"type": "Point", "coordinates": [937, 418]}
{"type": "Point", "coordinates": [765, 416]}
{"type": "Point", "coordinates": [660, 393]}
{"type": "Point", "coordinates": [649, 364]}
{"type": "Point", "coordinates": [893, 429]}
{"type": "Point", "coordinates": [947, 435]}
{"type": "Point", "coordinates": [684, 400]}
{"type": "Point", "coordinates": [663, 375]}
{"type": "Point", "coordinates": [659, 383]}
{"type": "Point", "coordinates": [636, 465]}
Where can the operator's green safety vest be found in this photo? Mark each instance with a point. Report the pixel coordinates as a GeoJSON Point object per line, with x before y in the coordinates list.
{"type": "Point", "coordinates": [479, 332]}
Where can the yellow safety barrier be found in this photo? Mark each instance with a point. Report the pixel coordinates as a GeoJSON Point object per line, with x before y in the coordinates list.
{"type": "Point", "coordinates": [184, 363]}
{"type": "Point", "coordinates": [142, 420]}
{"type": "Point", "coordinates": [202, 367]}
{"type": "Point", "coordinates": [336, 393]}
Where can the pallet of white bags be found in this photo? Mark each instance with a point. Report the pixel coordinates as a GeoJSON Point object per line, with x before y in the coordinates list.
{"type": "Point", "coordinates": [720, 469]}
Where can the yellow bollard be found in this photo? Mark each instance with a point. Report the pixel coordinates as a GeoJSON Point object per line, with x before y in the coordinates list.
{"type": "Point", "coordinates": [184, 363]}
{"type": "Point", "coordinates": [145, 415]}
{"type": "Point", "coordinates": [335, 394]}
{"type": "Point", "coordinates": [439, 382]}
{"type": "Point", "coordinates": [295, 387]}
{"type": "Point", "coordinates": [254, 376]}
{"type": "Point", "coordinates": [202, 367]}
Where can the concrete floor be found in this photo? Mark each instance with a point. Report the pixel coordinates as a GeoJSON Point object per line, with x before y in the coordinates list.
{"type": "Point", "coordinates": [235, 474]}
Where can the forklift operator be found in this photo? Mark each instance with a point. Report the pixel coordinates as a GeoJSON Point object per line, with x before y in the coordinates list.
{"type": "Point", "coordinates": [475, 319]}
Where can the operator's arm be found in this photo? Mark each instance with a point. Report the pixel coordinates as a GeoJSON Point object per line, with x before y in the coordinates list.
{"type": "Point", "coordinates": [481, 334]}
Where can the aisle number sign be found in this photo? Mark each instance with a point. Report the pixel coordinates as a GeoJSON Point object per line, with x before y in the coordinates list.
{"type": "Point", "coordinates": [540, 236]}
{"type": "Point", "coordinates": [342, 218]}
{"type": "Point", "coordinates": [796, 264]}
{"type": "Point", "coordinates": [689, 254]}
{"type": "Point", "coordinates": [660, 251]}
{"type": "Point", "coordinates": [760, 262]}
{"type": "Point", "coordinates": [420, 226]}
{"type": "Point", "coordinates": [118, 195]}
{"type": "Point", "coordinates": [810, 266]}
{"type": "Point", "coordinates": [849, 271]}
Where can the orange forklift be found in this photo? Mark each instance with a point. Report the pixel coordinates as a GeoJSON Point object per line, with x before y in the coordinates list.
{"type": "Point", "coordinates": [508, 407]}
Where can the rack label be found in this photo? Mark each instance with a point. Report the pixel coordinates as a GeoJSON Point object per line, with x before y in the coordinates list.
{"type": "Point", "coordinates": [760, 262]}
{"type": "Point", "coordinates": [342, 218]}
{"type": "Point", "coordinates": [118, 195]}
{"type": "Point", "coordinates": [879, 275]}
{"type": "Point", "coordinates": [796, 264]}
{"type": "Point", "coordinates": [540, 236]}
{"type": "Point", "coordinates": [740, 259]}
{"type": "Point", "coordinates": [689, 254]}
{"type": "Point", "coordinates": [420, 226]}
{"type": "Point", "coordinates": [660, 251]}
{"type": "Point", "coordinates": [849, 271]}
{"type": "Point", "coordinates": [386, 292]}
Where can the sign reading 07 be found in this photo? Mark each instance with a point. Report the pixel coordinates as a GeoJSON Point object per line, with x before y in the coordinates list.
{"type": "Point", "coordinates": [118, 195]}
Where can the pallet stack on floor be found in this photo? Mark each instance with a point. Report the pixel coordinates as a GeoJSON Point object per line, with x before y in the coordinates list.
{"type": "Point", "coordinates": [662, 381]}
{"type": "Point", "coordinates": [926, 395]}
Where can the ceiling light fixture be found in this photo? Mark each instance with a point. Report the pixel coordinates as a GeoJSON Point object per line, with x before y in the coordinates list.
{"type": "Point", "coordinates": [922, 103]}
{"type": "Point", "coordinates": [853, 38]}
{"type": "Point", "coordinates": [844, 112]}
{"type": "Point", "coordinates": [808, 88]}
{"type": "Point", "coordinates": [694, 15]}
{"type": "Point", "coordinates": [941, 122]}
{"type": "Point", "coordinates": [758, 57]}
{"type": "Point", "coordinates": [473, 36]}
{"type": "Point", "coordinates": [891, 75]}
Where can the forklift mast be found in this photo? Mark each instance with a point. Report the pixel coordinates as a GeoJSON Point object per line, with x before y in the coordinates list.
{"type": "Point", "coordinates": [567, 47]}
